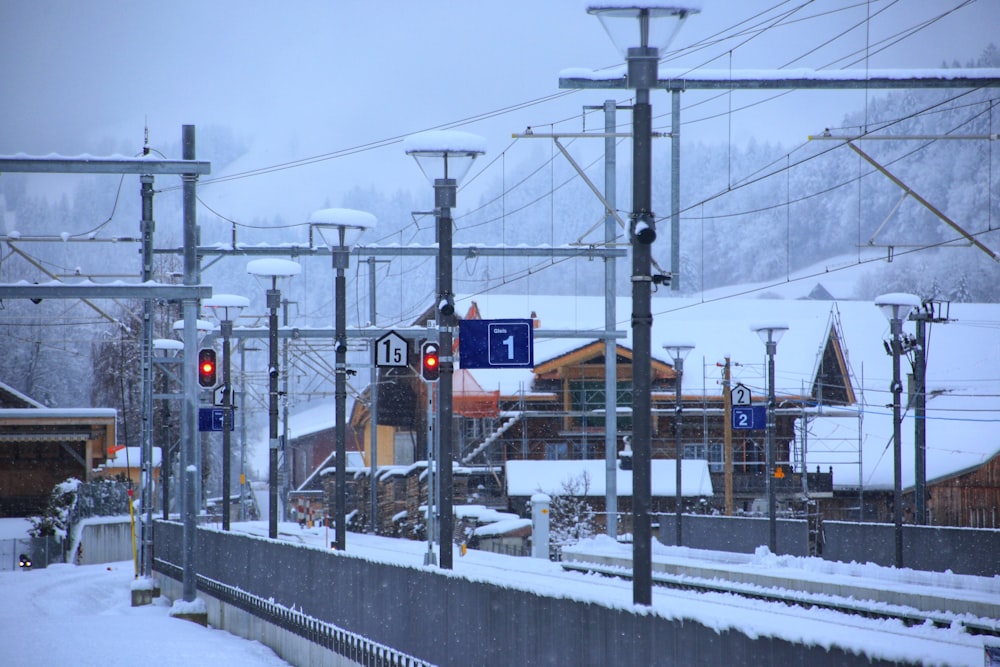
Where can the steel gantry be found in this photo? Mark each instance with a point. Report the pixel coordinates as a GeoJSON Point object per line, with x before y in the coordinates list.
{"type": "Point", "coordinates": [146, 167]}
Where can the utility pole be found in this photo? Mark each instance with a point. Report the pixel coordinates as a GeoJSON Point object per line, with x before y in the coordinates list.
{"type": "Point", "coordinates": [147, 226]}
{"type": "Point", "coordinates": [286, 465]}
{"type": "Point", "coordinates": [373, 397]}
{"type": "Point", "coordinates": [727, 436]}
{"type": "Point", "coordinates": [929, 312]}
{"type": "Point", "coordinates": [189, 414]}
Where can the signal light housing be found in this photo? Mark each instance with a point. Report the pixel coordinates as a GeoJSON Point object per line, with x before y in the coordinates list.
{"type": "Point", "coordinates": [207, 368]}
{"type": "Point", "coordinates": [430, 362]}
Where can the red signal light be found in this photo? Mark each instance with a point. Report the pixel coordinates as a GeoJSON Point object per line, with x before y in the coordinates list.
{"type": "Point", "coordinates": [207, 370]}
{"type": "Point", "coordinates": [430, 362]}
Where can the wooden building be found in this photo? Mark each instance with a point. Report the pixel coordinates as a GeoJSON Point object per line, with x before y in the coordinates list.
{"type": "Point", "coordinates": [41, 447]}
{"type": "Point", "coordinates": [832, 424]}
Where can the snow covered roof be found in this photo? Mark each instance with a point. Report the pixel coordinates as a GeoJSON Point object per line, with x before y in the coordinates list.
{"type": "Point", "coordinates": [526, 478]}
{"type": "Point", "coordinates": [963, 370]}
{"type": "Point", "coordinates": [58, 413]}
{"type": "Point", "coordinates": [130, 457]}
{"type": "Point", "coordinates": [313, 419]}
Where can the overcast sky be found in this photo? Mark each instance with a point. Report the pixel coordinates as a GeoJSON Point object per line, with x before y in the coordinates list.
{"type": "Point", "coordinates": [301, 79]}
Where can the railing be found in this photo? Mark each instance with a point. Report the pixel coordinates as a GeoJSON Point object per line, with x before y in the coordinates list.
{"type": "Point", "coordinates": [354, 647]}
{"type": "Point", "coordinates": [41, 550]}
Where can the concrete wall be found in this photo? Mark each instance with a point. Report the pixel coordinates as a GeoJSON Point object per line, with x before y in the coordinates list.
{"type": "Point", "coordinates": [104, 542]}
{"type": "Point", "coordinates": [448, 620]}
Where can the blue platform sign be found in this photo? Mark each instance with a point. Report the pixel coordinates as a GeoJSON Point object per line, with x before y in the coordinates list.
{"type": "Point", "coordinates": [749, 417]}
{"type": "Point", "coordinates": [496, 343]}
{"type": "Point", "coordinates": [212, 419]}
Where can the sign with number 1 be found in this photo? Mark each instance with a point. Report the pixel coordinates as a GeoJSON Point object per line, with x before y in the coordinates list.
{"type": "Point", "coordinates": [496, 343]}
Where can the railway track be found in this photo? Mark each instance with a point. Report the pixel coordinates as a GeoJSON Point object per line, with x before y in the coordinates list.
{"type": "Point", "coordinates": [874, 609]}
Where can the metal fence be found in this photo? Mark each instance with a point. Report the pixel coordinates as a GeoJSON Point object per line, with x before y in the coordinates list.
{"type": "Point", "coordinates": [935, 548]}
{"type": "Point", "coordinates": [41, 550]}
{"type": "Point", "coordinates": [738, 534]}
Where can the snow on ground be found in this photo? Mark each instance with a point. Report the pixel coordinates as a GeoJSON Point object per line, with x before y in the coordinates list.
{"type": "Point", "coordinates": [82, 615]}
{"type": "Point", "coordinates": [88, 607]}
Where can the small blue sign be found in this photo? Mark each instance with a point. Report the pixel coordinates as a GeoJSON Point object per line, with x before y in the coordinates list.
{"type": "Point", "coordinates": [213, 419]}
{"type": "Point", "coordinates": [749, 417]}
{"type": "Point", "coordinates": [496, 343]}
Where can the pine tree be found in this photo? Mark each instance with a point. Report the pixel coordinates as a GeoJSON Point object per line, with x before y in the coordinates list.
{"type": "Point", "coordinates": [571, 516]}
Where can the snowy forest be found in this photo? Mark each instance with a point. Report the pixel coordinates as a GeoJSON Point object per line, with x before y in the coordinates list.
{"type": "Point", "coordinates": [749, 212]}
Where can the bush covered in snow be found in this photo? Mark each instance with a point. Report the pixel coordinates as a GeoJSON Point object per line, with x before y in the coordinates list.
{"type": "Point", "coordinates": [571, 516]}
{"type": "Point", "coordinates": [73, 500]}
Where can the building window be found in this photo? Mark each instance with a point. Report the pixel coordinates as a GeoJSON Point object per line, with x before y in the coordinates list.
{"type": "Point", "coordinates": [587, 395]}
{"type": "Point", "coordinates": [556, 451]}
{"type": "Point", "coordinates": [748, 455]}
{"type": "Point", "coordinates": [711, 452]}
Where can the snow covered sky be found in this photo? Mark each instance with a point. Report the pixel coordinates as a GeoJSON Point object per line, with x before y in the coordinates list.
{"type": "Point", "coordinates": [302, 79]}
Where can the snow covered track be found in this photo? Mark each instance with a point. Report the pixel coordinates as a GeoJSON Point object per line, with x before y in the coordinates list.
{"type": "Point", "coordinates": [867, 602]}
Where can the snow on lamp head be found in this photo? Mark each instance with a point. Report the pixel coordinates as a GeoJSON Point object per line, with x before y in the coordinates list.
{"type": "Point", "coordinates": [447, 154]}
{"type": "Point", "coordinates": [226, 306]}
{"type": "Point", "coordinates": [770, 332]}
{"type": "Point", "coordinates": [678, 350]}
{"type": "Point", "coordinates": [897, 305]}
{"type": "Point", "coordinates": [641, 24]}
{"type": "Point", "coordinates": [341, 227]}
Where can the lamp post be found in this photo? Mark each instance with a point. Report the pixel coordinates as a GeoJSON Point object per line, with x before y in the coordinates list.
{"type": "Point", "coordinates": [273, 268]}
{"type": "Point", "coordinates": [228, 306]}
{"type": "Point", "coordinates": [678, 352]}
{"type": "Point", "coordinates": [628, 25]}
{"type": "Point", "coordinates": [445, 157]}
{"type": "Point", "coordinates": [340, 228]}
{"type": "Point", "coordinates": [770, 334]}
{"type": "Point", "coordinates": [896, 307]}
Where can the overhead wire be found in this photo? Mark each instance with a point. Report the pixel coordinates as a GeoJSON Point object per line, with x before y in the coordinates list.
{"type": "Point", "coordinates": [770, 23]}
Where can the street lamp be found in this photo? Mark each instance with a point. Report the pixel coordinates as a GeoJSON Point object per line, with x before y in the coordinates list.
{"type": "Point", "coordinates": [228, 306]}
{"type": "Point", "coordinates": [770, 334]}
{"type": "Point", "coordinates": [678, 352]}
{"type": "Point", "coordinates": [273, 268]}
{"type": "Point", "coordinates": [630, 24]}
{"type": "Point", "coordinates": [445, 157]}
{"type": "Point", "coordinates": [340, 228]}
{"type": "Point", "coordinates": [896, 307]}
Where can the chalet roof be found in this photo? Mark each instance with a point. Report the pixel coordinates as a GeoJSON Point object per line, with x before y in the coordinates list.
{"type": "Point", "coordinates": [718, 329]}
{"type": "Point", "coordinates": [593, 352]}
{"type": "Point", "coordinates": [963, 370]}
